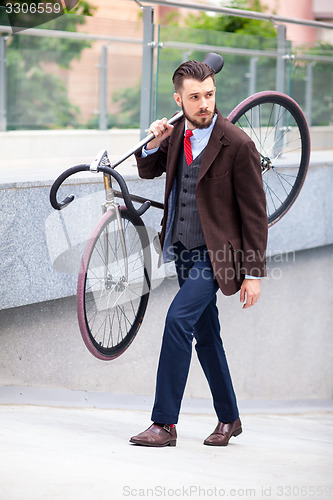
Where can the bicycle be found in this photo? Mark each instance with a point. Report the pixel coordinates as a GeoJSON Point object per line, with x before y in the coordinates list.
{"type": "Point", "coordinates": [114, 278]}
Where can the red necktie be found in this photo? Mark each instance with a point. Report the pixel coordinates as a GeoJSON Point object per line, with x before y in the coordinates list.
{"type": "Point", "coordinates": [187, 146]}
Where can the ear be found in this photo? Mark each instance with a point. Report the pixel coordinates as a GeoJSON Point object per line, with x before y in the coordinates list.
{"type": "Point", "coordinates": [178, 99]}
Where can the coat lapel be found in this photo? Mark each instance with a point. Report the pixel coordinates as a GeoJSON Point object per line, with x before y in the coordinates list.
{"type": "Point", "coordinates": [216, 142]}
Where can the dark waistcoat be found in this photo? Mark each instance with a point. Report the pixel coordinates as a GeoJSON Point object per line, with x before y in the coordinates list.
{"type": "Point", "coordinates": [187, 226]}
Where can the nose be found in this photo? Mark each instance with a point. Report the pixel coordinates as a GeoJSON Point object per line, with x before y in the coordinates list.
{"type": "Point", "coordinates": [203, 103]}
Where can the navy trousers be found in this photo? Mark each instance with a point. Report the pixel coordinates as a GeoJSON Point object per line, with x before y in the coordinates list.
{"type": "Point", "coordinates": [193, 314]}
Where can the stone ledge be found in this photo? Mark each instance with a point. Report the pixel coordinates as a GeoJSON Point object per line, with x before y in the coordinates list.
{"type": "Point", "coordinates": [43, 396]}
{"type": "Point", "coordinates": [33, 235]}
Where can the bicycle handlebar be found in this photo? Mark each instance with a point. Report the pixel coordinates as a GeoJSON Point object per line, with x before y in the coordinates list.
{"type": "Point", "coordinates": [57, 183]}
{"type": "Point", "coordinates": [83, 168]}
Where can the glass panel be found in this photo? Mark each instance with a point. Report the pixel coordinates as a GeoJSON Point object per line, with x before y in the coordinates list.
{"type": "Point", "coordinates": [249, 64]}
{"type": "Point", "coordinates": [312, 81]}
{"type": "Point", "coordinates": [56, 81]}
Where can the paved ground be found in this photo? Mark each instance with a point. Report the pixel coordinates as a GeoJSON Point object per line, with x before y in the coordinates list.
{"type": "Point", "coordinates": [83, 453]}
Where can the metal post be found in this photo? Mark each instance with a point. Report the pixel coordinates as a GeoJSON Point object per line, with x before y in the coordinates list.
{"type": "Point", "coordinates": [252, 75]}
{"type": "Point", "coordinates": [3, 85]}
{"type": "Point", "coordinates": [103, 112]}
{"type": "Point", "coordinates": [281, 58]}
{"type": "Point", "coordinates": [308, 93]}
{"type": "Point", "coordinates": [147, 70]}
{"type": "Point", "coordinates": [280, 86]}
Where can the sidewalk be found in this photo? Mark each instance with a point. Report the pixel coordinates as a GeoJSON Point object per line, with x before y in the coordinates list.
{"type": "Point", "coordinates": [70, 453]}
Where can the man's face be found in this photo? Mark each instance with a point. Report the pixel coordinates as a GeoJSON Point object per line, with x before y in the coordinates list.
{"type": "Point", "coordinates": [197, 100]}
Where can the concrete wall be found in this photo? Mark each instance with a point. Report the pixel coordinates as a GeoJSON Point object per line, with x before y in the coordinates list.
{"type": "Point", "coordinates": [279, 349]}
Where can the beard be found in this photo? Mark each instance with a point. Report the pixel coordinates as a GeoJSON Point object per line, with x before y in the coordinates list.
{"type": "Point", "coordinates": [196, 121]}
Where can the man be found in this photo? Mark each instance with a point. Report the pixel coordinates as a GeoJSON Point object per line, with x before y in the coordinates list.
{"type": "Point", "coordinates": [215, 228]}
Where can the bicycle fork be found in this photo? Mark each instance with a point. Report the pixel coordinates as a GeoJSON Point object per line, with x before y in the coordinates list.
{"type": "Point", "coordinates": [110, 201]}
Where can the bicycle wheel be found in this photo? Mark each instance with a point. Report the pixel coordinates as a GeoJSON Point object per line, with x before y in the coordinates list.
{"type": "Point", "coordinates": [278, 127]}
{"type": "Point", "coordinates": [113, 284]}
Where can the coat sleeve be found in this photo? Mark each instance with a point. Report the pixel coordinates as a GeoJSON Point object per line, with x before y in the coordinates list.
{"type": "Point", "coordinates": [154, 164]}
{"type": "Point", "coordinates": [251, 201]}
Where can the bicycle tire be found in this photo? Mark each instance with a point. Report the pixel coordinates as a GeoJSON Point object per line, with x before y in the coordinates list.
{"type": "Point", "coordinates": [278, 127]}
{"type": "Point", "coordinates": [110, 309]}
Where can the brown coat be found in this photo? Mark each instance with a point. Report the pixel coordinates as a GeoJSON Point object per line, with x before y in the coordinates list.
{"type": "Point", "coordinates": [230, 199]}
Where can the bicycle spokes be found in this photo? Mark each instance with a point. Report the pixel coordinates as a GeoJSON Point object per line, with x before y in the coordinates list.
{"type": "Point", "coordinates": [114, 284]}
{"type": "Point", "coordinates": [279, 130]}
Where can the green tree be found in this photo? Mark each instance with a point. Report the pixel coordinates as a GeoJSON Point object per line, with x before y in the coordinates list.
{"type": "Point", "coordinates": [232, 24]}
{"type": "Point", "coordinates": [36, 98]}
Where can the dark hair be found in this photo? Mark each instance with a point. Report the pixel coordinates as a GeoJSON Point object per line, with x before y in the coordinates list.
{"type": "Point", "coordinates": [192, 69]}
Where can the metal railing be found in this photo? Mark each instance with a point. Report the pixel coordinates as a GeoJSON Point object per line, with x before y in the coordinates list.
{"type": "Point", "coordinates": [239, 13]}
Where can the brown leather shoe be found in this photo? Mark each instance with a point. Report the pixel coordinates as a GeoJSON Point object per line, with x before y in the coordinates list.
{"type": "Point", "coordinates": [223, 432]}
{"type": "Point", "coordinates": [156, 435]}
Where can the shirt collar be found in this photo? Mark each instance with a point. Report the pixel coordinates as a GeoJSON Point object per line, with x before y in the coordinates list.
{"type": "Point", "coordinates": [200, 133]}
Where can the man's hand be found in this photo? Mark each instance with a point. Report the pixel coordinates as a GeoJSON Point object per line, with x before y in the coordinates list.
{"type": "Point", "coordinates": [161, 130]}
{"type": "Point", "coordinates": [251, 290]}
